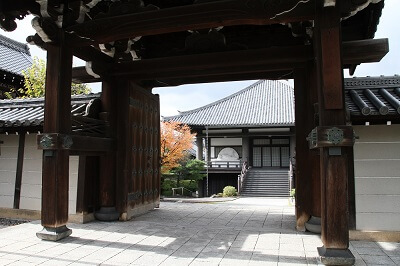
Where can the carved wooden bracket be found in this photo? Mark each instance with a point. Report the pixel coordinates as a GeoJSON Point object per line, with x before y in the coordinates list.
{"type": "Point", "coordinates": [331, 136]}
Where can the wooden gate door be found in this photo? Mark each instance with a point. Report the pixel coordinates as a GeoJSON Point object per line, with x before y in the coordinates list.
{"type": "Point", "coordinates": [141, 152]}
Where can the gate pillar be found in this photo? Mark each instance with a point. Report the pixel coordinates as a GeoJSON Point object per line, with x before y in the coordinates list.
{"type": "Point", "coordinates": [308, 183]}
{"type": "Point", "coordinates": [107, 182]}
{"type": "Point", "coordinates": [57, 119]}
{"type": "Point", "coordinates": [332, 137]}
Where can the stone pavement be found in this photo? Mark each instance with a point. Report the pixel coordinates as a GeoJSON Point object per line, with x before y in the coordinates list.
{"type": "Point", "coordinates": [240, 232]}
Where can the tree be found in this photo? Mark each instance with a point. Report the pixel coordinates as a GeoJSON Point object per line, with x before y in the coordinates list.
{"type": "Point", "coordinates": [192, 170]}
{"type": "Point", "coordinates": [176, 140]}
{"type": "Point", "coordinates": [35, 77]}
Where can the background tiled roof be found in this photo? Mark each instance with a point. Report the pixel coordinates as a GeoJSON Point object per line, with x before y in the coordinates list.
{"type": "Point", "coordinates": [265, 103]}
{"type": "Point", "coordinates": [271, 103]}
{"type": "Point", "coordinates": [30, 112]}
{"type": "Point", "coordinates": [377, 96]}
{"type": "Point", "coordinates": [14, 56]}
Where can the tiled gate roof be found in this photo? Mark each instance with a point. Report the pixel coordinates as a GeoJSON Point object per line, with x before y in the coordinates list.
{"type": "Point", "coordinates": [20, 113]}
{"type": "Point", "coordinates": [14, 56]}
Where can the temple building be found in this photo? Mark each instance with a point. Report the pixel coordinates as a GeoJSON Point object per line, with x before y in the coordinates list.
{"type": "Point", "coordinates": [134, 46]}
{"type": "Point", "coordinates": [256, 126]}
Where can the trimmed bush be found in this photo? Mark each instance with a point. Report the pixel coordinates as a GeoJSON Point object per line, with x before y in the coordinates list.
{"type": "Point", "coordinates": [166, 187]}
{"type": "Point", "coordinates": [229, 191]}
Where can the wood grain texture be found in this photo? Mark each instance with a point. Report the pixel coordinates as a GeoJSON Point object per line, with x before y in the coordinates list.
{"type": "Point", "coordinates": [267, 63]}
{"type": "Point", "coordinates": [18, 173]}
{"type": "Point", "coordinates": [57, 119]}
{"type": "Point", "coordinates": [88, 182]}
{"type": "Point", "coordinates": [191, 17]}
{"type": "Point", "coordinates": [308, 195]}
{"type": "Point", "coordinates": [108, 170]}
{"type": "Point", "coordinates": [334, 169]}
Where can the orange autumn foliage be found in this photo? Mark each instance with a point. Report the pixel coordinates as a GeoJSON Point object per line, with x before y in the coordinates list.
{"type": "Point", "coordinates": [176, 138]}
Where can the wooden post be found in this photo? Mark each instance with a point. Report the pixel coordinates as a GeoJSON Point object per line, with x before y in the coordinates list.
{"type": "Point", "coordinates": [57, 119]}
{"type": "Point", "coordinates": [334, 160]}
{"type": "Point", "coordinates": [308, 184]}
{"type": "Point", "coordinates": [18, 176]}
{"type": "Point", "coordinates": [124, 172]}
{"type": "Point", "coordinates": [199, 144]}
{"type": "Point", "coordinates": [351, 190]}
{"type": "Point", "coordinates": [245, 146]}
{"type": "Point", "coordinates": [86, 199]}
{"type": "Point", "coordinates": [107, 180]}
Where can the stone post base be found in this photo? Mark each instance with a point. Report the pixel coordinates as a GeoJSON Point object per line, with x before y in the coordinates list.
{"type": "Point", "coordinates": [331, 256]}
{"type": "Point", "coordinates": [314, 225]}
{"type": "Point", "coordinates": [54, 233]}
{"type": "Point", "coordinates": [107, 214]}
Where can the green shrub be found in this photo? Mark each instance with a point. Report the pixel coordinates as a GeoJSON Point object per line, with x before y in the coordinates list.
{"type": "Point", "coordinates": [166, 187]}
{"type": "Point", "coordinates": [229, 191]}
{"type": "Point", "coordinates": [293, 192]}
{"type": "Point", "coordinates": [190, 185]}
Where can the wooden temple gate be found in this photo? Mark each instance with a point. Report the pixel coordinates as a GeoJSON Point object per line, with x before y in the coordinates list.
{"type": "Point", "coordinates": [193, 41]}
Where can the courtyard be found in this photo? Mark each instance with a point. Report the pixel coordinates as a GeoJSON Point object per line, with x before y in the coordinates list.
{"type": "Point", "coordinates": [246, 231]}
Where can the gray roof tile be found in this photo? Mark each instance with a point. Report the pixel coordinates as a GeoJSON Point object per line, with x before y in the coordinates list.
{"type": "Point", "coordinates": [271, 103]}
{"type": "Point", "coordinates": [30, 112]}
{"type": "Point", "coordinates": [14, 56]}
{"type": "Point", "coordinates": [265, 103]}
{"type": "Point", "coordinates": [384, 88]}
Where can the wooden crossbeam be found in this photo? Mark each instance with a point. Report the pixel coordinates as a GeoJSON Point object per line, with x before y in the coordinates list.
{"type": "Point", "coordinates": [275, 62]}
{"type": "Point", "coordinates": [245, 61]}
{"type": "Point", "coordinates": [191, 17]}
{"type": "Point", "coordinates": [365, 51]}
{"type": "Point", "coordinates": [74, 143]}
{"type": "Point", "coordinates": [272, 75]}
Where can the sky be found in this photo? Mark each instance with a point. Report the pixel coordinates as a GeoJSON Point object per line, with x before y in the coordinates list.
{"type": "Point", "coordinates": [188, 97]}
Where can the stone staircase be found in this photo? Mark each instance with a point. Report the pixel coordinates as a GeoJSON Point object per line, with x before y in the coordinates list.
{"type": "Point", "coordinates": [262, 182]}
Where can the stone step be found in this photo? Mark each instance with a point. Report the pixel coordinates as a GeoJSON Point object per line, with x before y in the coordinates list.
{"type": "Point", "coordinates": [266, 183]}
{"type": "Point", "coordinates": [264, 195]}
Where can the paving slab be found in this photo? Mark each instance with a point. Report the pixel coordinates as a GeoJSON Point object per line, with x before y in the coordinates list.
{"type": "Point", "coordinates": [245, 231]}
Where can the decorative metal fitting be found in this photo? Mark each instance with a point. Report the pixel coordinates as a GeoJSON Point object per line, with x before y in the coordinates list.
{"type": "Point", "coordinates": [46, 141]}
{"type": "Point", "coordinates": [312, 137]}
{"type": "Point", "coordinates": [335, 135]}
{"type": "Point", "coordinates": [67, 142]}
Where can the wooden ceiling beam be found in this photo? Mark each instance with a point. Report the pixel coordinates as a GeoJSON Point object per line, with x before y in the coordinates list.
{"type": "Point", "coordinates": [244, 61]}
{"type": "Point", "coordinates": [272, 75]}
{"type": "Point", "coordinates": [213, 67]}
{"type": "Point", "coordinates": [191, 17]}
{"type": "Point", "coordinates": [90, 53]}
{"type": "Point", "coordinates": [80, 75]}
{"type": "Point", "coordinates": [364, 51]}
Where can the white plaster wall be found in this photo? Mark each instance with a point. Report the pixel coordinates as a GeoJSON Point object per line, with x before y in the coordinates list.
{"type": "Point", "coordinates": [377, 177]}
{"type": "Point", "coordinates": [226, 141]}
{"type": "Point", "coordinates": [31, 186]}
{"type": "Point", "coordinates": [8, 166]}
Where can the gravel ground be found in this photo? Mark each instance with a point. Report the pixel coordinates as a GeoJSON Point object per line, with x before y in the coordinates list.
{"type": "Point", "coordinates": [4, 222]}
